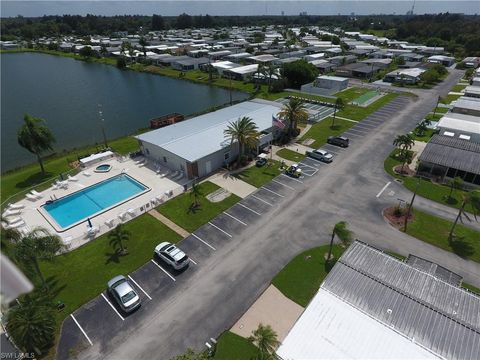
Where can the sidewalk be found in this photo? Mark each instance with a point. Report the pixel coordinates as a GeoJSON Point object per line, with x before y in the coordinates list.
{"type": "Point", "coordinates": [169, 223]}
{"type": "Point", "coordinates": [232, 184]}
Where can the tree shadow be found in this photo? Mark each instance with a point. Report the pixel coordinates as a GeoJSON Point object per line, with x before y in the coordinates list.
{"type": "Point", "coordinates": [114, 257]}
{"type": "Point", "coordinates": [451, 200]}
{"type": "Point", "coordinates": [33, 179]}
{"type": "Point", "coordinates": [193, 208]}
{"type": "Point", "coordinates": [461, 247]}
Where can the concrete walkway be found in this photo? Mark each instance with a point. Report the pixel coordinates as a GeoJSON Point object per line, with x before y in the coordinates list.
{"type": "Point", "coordinates": [271, 308]}
{"type": "Point", "coordinates": [169, 223]}
{"type": "Point", "coordinates": [232, 184]}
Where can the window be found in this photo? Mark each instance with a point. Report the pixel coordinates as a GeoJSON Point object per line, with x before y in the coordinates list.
{"type": "Point", "coordinates": [164, 159]}
{"type": "Point", "coordinates": [451, 172]}
{"type": "Point", "coordinates": [226, 156]}
{"type": "Point", "coordinates": [469, 177]}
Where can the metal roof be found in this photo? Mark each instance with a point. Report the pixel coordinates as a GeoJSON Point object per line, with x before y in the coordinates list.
{"type": "Point", "coordinates": [452, 152]}
{"type": "Point", "coordinates": [460, 122]}
{"type": "Point", "coordinates": [372, 305]}
{"type": "Point", "coordinates": [467, 103]}
{"type": "Point", "coordinates": [434, 269]}
{"type": "Point", "coordinates": [203, 135]}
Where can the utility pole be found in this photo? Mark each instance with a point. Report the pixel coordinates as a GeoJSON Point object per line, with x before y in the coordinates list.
{"type": "Point", "coordinates": [435, 110]}
{"type": "Point", "coordinates": [102, 124]}
{"type": "Point", "coordinates": [230, 78]}
{"type": "Point", "coordinates": [410, 207]}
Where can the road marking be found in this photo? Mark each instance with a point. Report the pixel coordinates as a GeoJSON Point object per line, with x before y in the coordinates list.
{"type": "Point", "coordinates": [273, 192]}
{"type": "Point", "coordinates": [289, 177]}
{"type": "Point", "coordinates": [278, 182]}
{"type": "Point", "coordinates": [165, 271]}
{"type": "Point", "coordinates": [310, 166]}
{"type": "Point", "coordinates": [383, 189]}
{"type": "Point", "coordinates": [354, 135]}
{"type": "Point", "coordinates": [113, 307]}
{"type": "Point", "coordinates": [266, 202]}
{"type": "Point", "coordinates": [210, 246]}
{"type": "Point", "coordinates": [192, 260]}
{"type": "Point", "coordinates": [317, 161]}
{"type": "Point", "coordinates": [216, 227]}
{"type": "Point", "coordinates": [234, 218]}
{"type": "Point", "coordinates": [139, 287]}
{"type": "Point", "coordinates": [362, 132]}
{"type": "Point", "coordinates": [246, 207]}
{"type": "Point", "coordinates": [81, 329]}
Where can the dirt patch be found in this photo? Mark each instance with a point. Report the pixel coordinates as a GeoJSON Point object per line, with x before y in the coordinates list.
{"type": "Point", "coordinates": [218, 195]}
{"type": "Point", "coordinates": [406, 170]}
{"type": "Point", "coordinates": [396, 216]}
{"type": "Point", "coordinates": [308, 142]}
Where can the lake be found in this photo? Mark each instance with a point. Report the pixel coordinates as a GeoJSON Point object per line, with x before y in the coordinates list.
{"type": "Point", "coordinates": [66, 93]}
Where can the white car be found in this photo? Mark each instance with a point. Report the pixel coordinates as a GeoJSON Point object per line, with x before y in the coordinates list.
{"type": "Point", "coordinates": [321, 155]}
{"type": "Point", "coordinates": [172, 255]}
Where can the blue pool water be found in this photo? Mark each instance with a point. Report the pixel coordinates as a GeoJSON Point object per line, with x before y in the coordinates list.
{"type": "Point", "coordinates": [89, 201]}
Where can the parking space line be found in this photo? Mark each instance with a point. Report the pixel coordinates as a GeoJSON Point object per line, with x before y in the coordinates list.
{"type": "Point", "coordinates": [278, 182]}
{"type": "Point", "coordinates": [113, 307]}
{"type": "Point", "coordinates": [354, 135]}
{"type": "Point", "coordinates": [266, 202]}
{"type": "Point", "coordinates": [139, 287]}
{"type": "Point", "coordinates": [311, 167]}
{"type": "Point", "coordinates": [193, 261]}
{"type": "Point", "coordinates": [317, 161]}
{"type": "Point", "coordinates": [246, 207]}
{"type": "Point", "coordinates": [383, 189]}
{"type": "Point", "coordinates": [366, 126]}
{"type": "Point", "coordinates": [216, 227]}
{"type": "Point", "coordinates": [363, 132]}
{"type": "Point", "coordinates": [289, 177]}
{"type": "Point", "coordinates": [273, 192]}
{"type": "Point", "coordinates": [234, 218]}
{"type": "Point", "coordinates": [210, 246]}
{"type": "Point", "coordinates": [81, 329]}
{"type": "Point", "coordinates": [165, 271]}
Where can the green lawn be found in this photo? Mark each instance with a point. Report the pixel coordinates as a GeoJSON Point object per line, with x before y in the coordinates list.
{"type": "Point", "coordinates": [435, 117]}
{"type": "Point", "coordinates": [278, 95]}
{"type": "Point", "coordinates": [231, 346]}
{"type": "Point", "coordinates": [471, 288]}
{"type": "Point", "coordinates": [15, 181]}
{"type": "Point", "coordinates": [300, 279]}
{"type": "Point", "coordinates": [426, 136]}
{"type": "Point", "coordinates": [360, 113]}
{"type": "Point", "coordinates": [322, 130]}
{"type": "Point", "coordinates": [458, 88]}
{"type": "Point", "coordinates": [441, 110]}
{"type": "Point", "coordinates": [179, 210]}
{"type": "Point", "coordinates": [426, 189]}
{"type": "Point", "coordinates": [290, 155]}
{"type": "Point", "coordinates": [82, 274]}
{"type": "Point", "coordinates": [352, 93]}
{"type": "Point", "coordinates": [435, 231]}
{"type": "Point", "coordinates": [449, 98]}
{"type": "Point", "coordinates": [258, 176]}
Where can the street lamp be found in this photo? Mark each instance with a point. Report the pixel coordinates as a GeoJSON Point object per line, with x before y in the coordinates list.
{"type": "Point", "coordinates": [102, 124]}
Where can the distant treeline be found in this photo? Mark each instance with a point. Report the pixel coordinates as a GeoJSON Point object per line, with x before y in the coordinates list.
{"type": "Point", "coordinates": [460, 34]}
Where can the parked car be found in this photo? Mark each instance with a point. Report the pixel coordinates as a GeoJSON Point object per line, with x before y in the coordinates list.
{"type": "Point", "coordinates": [321, 155]}
{"type": "Point", "coordinates": [294, 171]}
{"type": "Point", "coordinates": [172, 255]}
{"type": "Point", "coordinates": [261, 160]}
{"type": "Point", "coordinates": [341, 141]}
{"type": "Point", "coordinates": [123, 293]}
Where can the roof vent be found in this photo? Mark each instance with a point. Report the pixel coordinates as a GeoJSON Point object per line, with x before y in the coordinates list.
{"type": "Point", "coordinates": [389, 311]}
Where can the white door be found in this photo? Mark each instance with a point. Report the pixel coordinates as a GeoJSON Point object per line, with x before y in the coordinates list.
{"type": "Point", "coordinates": [208, 167]}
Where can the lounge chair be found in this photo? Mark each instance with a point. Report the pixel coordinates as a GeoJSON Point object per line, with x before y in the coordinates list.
{"type": "Point", "coordinates": [124, 171]}
{"type": "Point", "coordinates": [142, 164]}
{"type": "Point", "coordinates": [15, 225]}
{"type": "Point", "coordinates": [72, 178]}
{"type": "Point", "coordinates": [131, 212]}
{"type": "Point", "coordinates": [87, 174]}
{"type": "Point", "coordinates": [91, 231]}
{"type": "Point", "coordinates": [122, 215]}
{"type": "Point", "coordinates": [159, 198]}
{"type": "Point", "coordinates": [14, 220]}
{"type": "Point", "coordinates": [31, 197]}
{"type": "Point", "coordinates": [138, 162]}
{"type": "Point", "coordinates": [110, 222]}
{"type": "Point", "coordinates": [63, 184]}
{"type": "Point", "coordinates": [36, 193]}
{"type": "Point", "coordinates": [67, 240]}
{"type": "Point", "coordinates": [15, 206]}
{"type": "Point", "coordinates": [11, 212]}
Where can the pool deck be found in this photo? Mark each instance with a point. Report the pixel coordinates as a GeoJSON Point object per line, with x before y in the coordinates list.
{"type": "Point", "coordinates": [78, 235]}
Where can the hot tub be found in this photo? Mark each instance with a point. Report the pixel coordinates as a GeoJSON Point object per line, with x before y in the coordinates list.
{"type": "Point", "coordinates": [103, 168]}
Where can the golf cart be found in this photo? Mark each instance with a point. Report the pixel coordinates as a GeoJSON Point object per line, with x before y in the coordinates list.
{"type": "Point", "coordinates": [294, 171]}
{"type": "Point", "coordinates": [262, 159]}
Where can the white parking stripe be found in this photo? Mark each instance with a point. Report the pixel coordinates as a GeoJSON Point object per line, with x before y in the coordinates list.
{"type": "Point", "coordinates": [383, 189]}
{"type": "Point", "coordinates": [354, 135]}
{"type": "Point", "coordinates": [363, 132]}
{"type": "Point", "coordinates": [165, 271]}
{"type": "Point", "coordinates": [81, 329]}
{"type": "Point", "coordinates": [266, 202]}
{"type": "Point", "coordinates": [210, 246]}
{"type": "Point", "coordinates": [273, 192]}
{"type": "Point", "coordinates": [278, 182]}
{"type": "Point", "coordinates": [192, 260]}
{"type": "Point", "coordinates": [317, 161]}
{"type": "Point", "coordinates": [113, 307]}
{"type": "Point", "coordinates": [289, 177]}
{"type": "Point", "coordinates": [246, 207]}
{"type": "Point", "coordinates": [311, 167]}
{"type": "Point", "coordinates": [234, 218]}
{"type": "Point", "coordinates": [139, 287]}
{"type": "Point", "coordinates": [365, 126]}
{"type": "Point", "coordinates": [216, 227]}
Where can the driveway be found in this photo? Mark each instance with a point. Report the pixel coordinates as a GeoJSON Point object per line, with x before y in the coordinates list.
{"type": "Point", "coordinates": [240, 251]}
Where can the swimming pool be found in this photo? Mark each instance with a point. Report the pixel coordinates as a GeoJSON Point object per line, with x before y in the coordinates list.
{"type": "Point", "coordinates": [95, 199]}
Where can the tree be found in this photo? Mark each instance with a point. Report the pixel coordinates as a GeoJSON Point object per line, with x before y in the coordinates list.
{"type": "Point", "coordinates": [430, 76]}
{"type": "Point", "coordinates": [294, 112]}
{"type": "Point", "coordinates": [269, 71]}
{"type": "Point", "coordinates": [299, 72]}
{"type": "Point", "coordinates": [35, 137]}
{"type": "Point", "coordinates": [473, 199]}
{"type": "Point", "coordinates": [184, 21]}
{"type": "Point", "coordinates": [86, 52]}
{"type": "Point", "coordinates": [421, 128]}
{"type": "Point", "coordinates": [244, 131]}
{"type": "Point", "coordinates": [117, 236]}
{"type": "Point", "coordinates": [455, 183]}
{"type": "Point", "coordinates": [143, 42]}
{"type": "Point", "coordinates": [404, 143]}
{"type": "Point", "coordinates": [195, 193]}
{"type": "Point", "coordinates": [38, 244]}
{"type": "Point", "coordinates": [339, 105]}
{"type": "Point", "coordinates": [265, 338]}
{"type": "Point", "coordinates": [157, 22]}
{"type": "Point", "coordinates": [344, 234]}
{"type": "Point", "coordinates": [121, 63]}
{"type": "Point", "coordinates": [31, 324]}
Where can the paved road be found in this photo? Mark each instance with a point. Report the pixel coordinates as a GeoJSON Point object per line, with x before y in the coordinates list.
{"type": "Point", "coordinates": [282, 219]}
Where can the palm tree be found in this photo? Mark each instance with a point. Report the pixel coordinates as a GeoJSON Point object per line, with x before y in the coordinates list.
{"type": "Point", "coordinates": [35, 136]}
{"type": "Point", "coordinates": [294, 111]}
{"type": "Point", "coordinates": [38, 244]}
{"type": "Point", "coordinates": [404, 143]}
{"type": "Point", "coordinates": [455, 183]}
{"type": "Point", "coordinates": [31, 324]}
{"type": "Point", "coordinates": [244, 131]}
{"type": "Point", "coordinates": [117, 236]}
{"type": "Point", "coordinates": [339, 105]}
{"type": "Point", "coordinates": [421, 128]}
{"type": "Point", "coordinates": [265, 338]}
{"type": "Point", "coordinates": [344, 234]}
{"type": "Point", "coordinates": [196, 193]}
{"type": "Point", "coordinates": [143, 42]}
{"type": "Point", "coordinates": [473, 199]}
{"type": "Point", "coordinates": [270, 71]}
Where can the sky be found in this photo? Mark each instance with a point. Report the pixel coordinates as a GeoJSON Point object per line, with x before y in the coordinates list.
{"type": "Point", "coordinates": [234, 7]}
